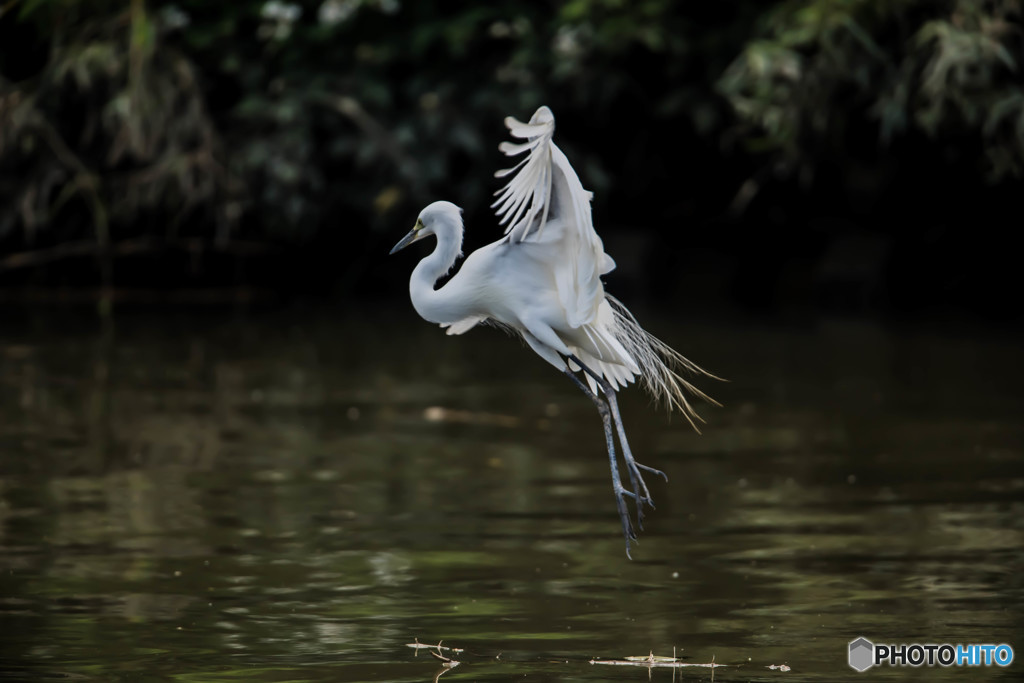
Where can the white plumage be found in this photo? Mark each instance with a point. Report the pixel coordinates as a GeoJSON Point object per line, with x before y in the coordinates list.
{"type": "Point", "coordinates": [543, 280]}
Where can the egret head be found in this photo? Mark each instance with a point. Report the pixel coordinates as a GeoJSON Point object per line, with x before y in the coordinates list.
{"type": "Point", "coordinates": [439, 218]}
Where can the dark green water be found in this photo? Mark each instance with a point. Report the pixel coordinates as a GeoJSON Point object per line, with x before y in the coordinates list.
{"type": "Point", "coordinates": [296, 499]}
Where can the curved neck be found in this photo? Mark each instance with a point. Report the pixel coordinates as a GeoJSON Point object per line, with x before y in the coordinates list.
{"type": "Point", "coordinates": [434, 305]}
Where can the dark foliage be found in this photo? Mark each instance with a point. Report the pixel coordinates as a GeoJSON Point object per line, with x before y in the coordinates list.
{"type": "Point", "coordinates": [823, 153]}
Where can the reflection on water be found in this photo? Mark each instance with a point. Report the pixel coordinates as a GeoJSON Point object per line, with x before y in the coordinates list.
{"type": "Point", "coordinates": [297, 499]}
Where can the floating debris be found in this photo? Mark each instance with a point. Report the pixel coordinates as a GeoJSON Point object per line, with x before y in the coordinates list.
{"type": "Point", "coordinates": [421, 646]}
{"type": "Point", "coordinates": [652, 658]}
{"type": "Point", "coordinates": [655, 661]}
{"type": "Point", "coordinates": [780, 667]}
{"type": "Point", "coordinates": [448, 661]}
{"type": "Point", "coordinates": [649, 661]}
{"type": "Point", "coordinates": [654, 664]}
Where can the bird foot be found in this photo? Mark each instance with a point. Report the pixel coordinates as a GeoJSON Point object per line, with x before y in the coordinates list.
{"type": "Point", "coordinates": [643, 499]}
{"type": "Point", "coordinates": [627, 523]}
{"type": "Point", "coordinates": [642, 495]}
{"type": "Point", "coordinates": [639, 500]}
{"type": "Point", "coordinates": [652, 471]}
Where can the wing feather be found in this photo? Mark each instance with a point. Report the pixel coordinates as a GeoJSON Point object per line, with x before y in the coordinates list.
{"type": "Point", "coordinates": [544, 202]}
{"type": "Point", "coordinates": [464, 325]}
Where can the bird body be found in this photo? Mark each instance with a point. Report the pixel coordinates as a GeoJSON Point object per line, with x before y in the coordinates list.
{"type": "Point", "coordinates": [513, 284]}
{"type": "Point", "coordinates": [543, 281]}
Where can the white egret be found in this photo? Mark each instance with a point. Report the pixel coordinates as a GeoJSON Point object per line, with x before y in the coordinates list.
{"type": "Point", "coordinates": [543, 281]}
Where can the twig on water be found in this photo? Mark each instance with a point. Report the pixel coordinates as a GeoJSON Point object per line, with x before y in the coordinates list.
{"type": "Point", "coordinates": [420, 646]}
{"type": "Point", "coordinates": [654, 661]}
{"type": "Point", "coordinates": [445, 668]}
{"type": "Point", "coordinates": [448, 661]}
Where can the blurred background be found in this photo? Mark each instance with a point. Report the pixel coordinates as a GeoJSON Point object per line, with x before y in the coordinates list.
{"type": "Point", "coordinates": [858, 157]}
{"type": "Point", "coordinates": [229, 449]}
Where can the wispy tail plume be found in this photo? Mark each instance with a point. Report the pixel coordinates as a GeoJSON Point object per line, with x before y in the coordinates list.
{"type": "Point", "coordinates": [659, 364]}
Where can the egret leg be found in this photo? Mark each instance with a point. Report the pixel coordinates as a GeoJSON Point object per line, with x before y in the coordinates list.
{"type": "Point", "coordinates": [641, 493]}
{"type": "Point", "coordinates": [617, 487]}
{"type": "Point", "coordinates": [632, 466]}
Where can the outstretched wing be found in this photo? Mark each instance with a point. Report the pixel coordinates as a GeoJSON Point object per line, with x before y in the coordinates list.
{"type": "Point", "coordinates": [545, 203]}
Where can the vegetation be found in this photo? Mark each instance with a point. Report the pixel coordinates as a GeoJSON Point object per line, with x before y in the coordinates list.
{"type": "Point", "coordinates": [139, 126]}
{"type": "Point", "coordinates": [945, 70]}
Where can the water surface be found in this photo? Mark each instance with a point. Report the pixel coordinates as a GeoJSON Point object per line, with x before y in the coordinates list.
{"type": "Point", "coordinates": [297, 497]}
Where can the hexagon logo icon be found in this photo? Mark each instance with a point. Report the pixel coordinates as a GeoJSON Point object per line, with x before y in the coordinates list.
{"type": "Point", "coordinates": [862, 654]}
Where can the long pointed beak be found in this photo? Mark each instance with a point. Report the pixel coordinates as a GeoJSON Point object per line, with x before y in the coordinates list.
{"type": "Point", "coordinates": [406, 241]}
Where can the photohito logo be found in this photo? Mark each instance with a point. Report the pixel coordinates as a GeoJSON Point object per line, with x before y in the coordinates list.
{"type": "Point", "coordinates": [864, 654]}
